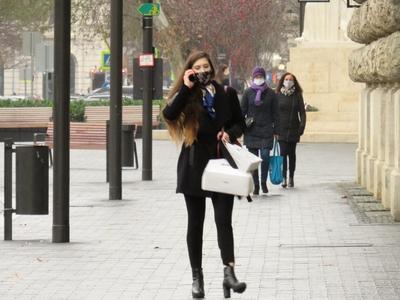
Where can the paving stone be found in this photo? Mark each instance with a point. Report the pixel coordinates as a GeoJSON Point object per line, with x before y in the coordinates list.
{"type": "Point", "coordinates": [301, 243]}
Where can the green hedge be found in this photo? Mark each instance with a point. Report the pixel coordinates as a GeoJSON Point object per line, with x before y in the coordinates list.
{"type": "Point", "coordinates": [77, 107]}
{"type": "Point", "coordinates": [26, 103]}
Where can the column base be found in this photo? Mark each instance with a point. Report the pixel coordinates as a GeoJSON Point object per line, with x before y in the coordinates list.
{"type": "Point", "coordinates": [60, 234]}
{"type": "Point", "coordinates": [359, 166]}
{"type": "Point", "coordinates": [386, 183]}
{"type": "Point", "coordinates": [378, 166]}
{"type": "Point", "coordinates": [370, 168]}
{"type": "Point", "coordinates": [363, 169]}
{"type": "Point", "coordinates": [395, 195]}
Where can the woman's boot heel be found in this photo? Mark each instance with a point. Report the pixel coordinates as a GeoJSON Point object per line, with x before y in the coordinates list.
{"type": "Point", "coordinates": [198, 283]}
{"type": "Point", "coordinates": [231, 282]}
{"type": "Point", "coordinates": [227, 291]}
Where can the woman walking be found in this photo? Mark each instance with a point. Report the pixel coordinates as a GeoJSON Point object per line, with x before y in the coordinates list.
{"type": "Point", "coordinates": [199, 113]}
{"type": "Point", "coordinates": [222, 76]}
{"type": "Point", "coordinates": [292, 122]}
{"type": "Point", "coordinates": [260, 107]}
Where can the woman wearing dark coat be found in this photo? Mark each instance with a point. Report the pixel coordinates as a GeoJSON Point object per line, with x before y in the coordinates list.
{"type": "Point", "coordinates": [222, 76]}
{"type": "Point", "coordinates": [292, 122]}
{"type": "Point", "coordinates": [199, 113]}
{"type": "Point", "coordinates": [259, 104]}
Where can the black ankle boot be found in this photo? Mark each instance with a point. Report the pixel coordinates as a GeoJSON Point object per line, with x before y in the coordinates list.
{"type": "Point", "coordinates": [264, 187]}
{"type": "Point", "coordinates": [284, 182]}
{"type": "Point", "coordinates": [256, 190]}
{"type": "Point", "coordinates": [231, 282]}
{"type": "Point", "coordinates": [198, 283]}
{"type": "Point", "coordinates": [291, 182]}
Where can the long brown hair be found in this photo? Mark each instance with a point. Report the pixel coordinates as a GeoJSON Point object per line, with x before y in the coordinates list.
{"type": "Point", "coordinates": [220, 76]}
{"type": "Point", "coordinates": [297, 86]}
{"type": "Point", "coordinates": [186, 126]}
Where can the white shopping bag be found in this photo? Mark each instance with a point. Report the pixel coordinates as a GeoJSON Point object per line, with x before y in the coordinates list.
{"type": "Point", "coordinates": [220, 177]}
{"type": "Point", "coordinates": [245, 160]}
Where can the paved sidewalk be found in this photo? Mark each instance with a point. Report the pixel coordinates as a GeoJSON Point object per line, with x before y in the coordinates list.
{"type": "Point", "coordinates": [301, 243]}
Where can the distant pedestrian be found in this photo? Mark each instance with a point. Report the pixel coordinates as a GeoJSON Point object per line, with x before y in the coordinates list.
{"type": "Point", "coordinates": [292, 122]}
{"type": "Point", "coordinates": [222, 76]}
{"type": "Point", "coordinates": [199, 113]}
{"type": "Point", "coordinates": [260, 108]}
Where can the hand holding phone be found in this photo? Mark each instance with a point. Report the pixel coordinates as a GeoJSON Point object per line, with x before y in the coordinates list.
{"type": "Point", "coordinates": [188, 77]}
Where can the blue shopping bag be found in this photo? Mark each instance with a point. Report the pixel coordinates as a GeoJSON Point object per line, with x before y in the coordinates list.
{"type": "Point", "coordinates": [275, 164]}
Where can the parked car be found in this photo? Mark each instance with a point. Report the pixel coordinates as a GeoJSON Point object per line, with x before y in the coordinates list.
{"type": "Point", "coordinates": [104, 93]}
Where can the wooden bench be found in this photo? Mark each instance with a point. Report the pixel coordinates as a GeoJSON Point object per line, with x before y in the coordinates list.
{"type": "Point", "coordinates": [82, 135]}
{"type": "Point", "coordinates": [132, 114]}
{"type": "Point", "coordinates": [20, 123]}
{"type": "Point", "coordinates": [23, 117]}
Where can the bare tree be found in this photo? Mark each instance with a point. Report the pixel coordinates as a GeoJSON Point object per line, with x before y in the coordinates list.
{"type": "Point", "coordinates": [242, 30]}
{"type": "Point", "coordinates": [17, 17]}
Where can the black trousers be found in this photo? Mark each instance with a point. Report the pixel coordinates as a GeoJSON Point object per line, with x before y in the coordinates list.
{"type": "Point", "coordinates": [288, 150]}
{"type": "Point", "coordinates": [196, 208]}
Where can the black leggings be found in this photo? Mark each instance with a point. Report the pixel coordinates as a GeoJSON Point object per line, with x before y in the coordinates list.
{"type": "Point", "coordinates": [288, 149]}
{"type": "Point", "coordinates": [196, 208]}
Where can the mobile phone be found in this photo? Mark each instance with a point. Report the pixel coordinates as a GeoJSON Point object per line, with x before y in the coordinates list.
{"type": "Point", "coordinates": [193, 78]}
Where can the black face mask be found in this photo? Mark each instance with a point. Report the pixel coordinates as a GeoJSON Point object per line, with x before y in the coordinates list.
{"type": "Point", "coordinates": [204, 78]}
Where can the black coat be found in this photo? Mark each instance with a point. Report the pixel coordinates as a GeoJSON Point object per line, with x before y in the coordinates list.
{"type": "Point", "coordinates": [266, 118]}
{"type": "Point", "coordinates": [193, 159]}
{"type": "Point", "coordinates": [292, 117]}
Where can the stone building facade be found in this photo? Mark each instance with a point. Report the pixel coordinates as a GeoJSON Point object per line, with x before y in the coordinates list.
{"type": "Point", "coordinates": [85, 56]}
{"type": "Point", "coordinates": [319, 61]}
{"type": "Point", "coordinates": [376, 25]}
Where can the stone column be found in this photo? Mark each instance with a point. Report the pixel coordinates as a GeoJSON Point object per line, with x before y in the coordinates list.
{"type": "Point", "coordinates": [380, 141]}
{"type": "Point", "coordinates": [363, 136]}
{"type": "Point", "coordinates": [395, 176]}
{"type": "Point", "coordinates": [373, 131]}
{"type": "Point", "coordinates": [388, 133]}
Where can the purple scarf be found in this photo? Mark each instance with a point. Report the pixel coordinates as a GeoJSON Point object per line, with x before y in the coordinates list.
{"type": "Point", "coordinates": [259, 89]}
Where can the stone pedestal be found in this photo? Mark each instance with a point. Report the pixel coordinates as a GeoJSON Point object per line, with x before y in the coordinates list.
{"type": "Point", "coordinates": [320, 63]}
{"type": "Point", "coordinates": [322, 72]}
{"type": "Point", "coordinates": [395, 195]}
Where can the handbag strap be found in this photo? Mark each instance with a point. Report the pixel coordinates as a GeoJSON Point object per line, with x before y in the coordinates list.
{"type": "Point", "coordinates": [225, 154]}
{"type": "Point", "coordinates": [276, 148]}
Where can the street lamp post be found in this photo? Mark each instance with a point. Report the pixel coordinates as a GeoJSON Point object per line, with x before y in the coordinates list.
{"type": "Point", "coordinates": [62, 39]}
{"type": "Point", "coordinates": [115, 189]}
{"type": "Point", "coordinates": [147, 98]}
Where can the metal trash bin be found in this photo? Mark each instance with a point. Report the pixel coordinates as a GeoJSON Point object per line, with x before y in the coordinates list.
{"type": "Point", "coordinates": [32, 180]}
{"type": "Point", "coordinates": [127, 144]}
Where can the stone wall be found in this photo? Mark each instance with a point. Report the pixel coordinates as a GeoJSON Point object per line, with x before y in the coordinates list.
{"type": "Point", "coordinates": [377, 62]}
{"type": "Point", "coordinates": [373, 20]}
{"type": "Point", "coordinates": [377, 25]}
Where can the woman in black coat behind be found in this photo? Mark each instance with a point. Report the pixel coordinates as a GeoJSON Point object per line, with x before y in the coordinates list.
{"type": "Point", "coordinates": [199, 113]}
{"type": "Point", "coordinates": [292, 122]}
